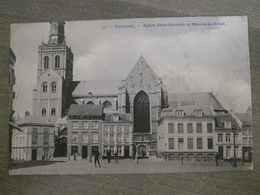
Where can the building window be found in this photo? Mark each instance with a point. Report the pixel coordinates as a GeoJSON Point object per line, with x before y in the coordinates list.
{"type": "Point", "coordinates": [220, 137]}
{"type": "Point", "coordinates": [53, 87]}
{"type": "Point", "coordinates": [95, 138]}
{"type": "Point", "coordinates": [171, 143]}
{"type": "Point", "coordinates": [198, 113]}
{"type": "Point", "coordinates": [190, 143]}
{"type": "Point", "coordinates": [46, 62]}
{"type": "Point", "coordinates": [74, 124]}
{"type": "Point", "coordinates": [180, 128]}
{"type": "Point", "coordinates": [228, 151]}
{"type": "Point", "coordinates": [199, 143]}
{"type": "Point", "coordinates": [85, 137]}
{"type": "Point", "coordinates": [126, 137]}
{"type": "Point", "coordinates": [53, 112]}
{"type": "Point", "coordinates": [95, 125]}
{"type": "Point", "coordinates": [119, 150]}
{"type": "Point", "coordinates": [45, 136]}
{"type": "Point", "coordinates": [199, 128]}
{"type": "Point", "coordinates": [111, 138]}
{"type": "Point", "coordinates": [85, 124]}
{"type": "Point", "coordinates": [74, 138]}
{"type": "Point", "coordinates": [209, 128]}
{"type": "Point", "coordinates": [190, 128]}
{"type": "Point", "coordinates": [44, 87]}
{"type": "Point", "coordinates": [180, 112]}
{"type": "Point", "coordinates": [180, 143]}
{"type": "Point", "coordinates": [44, 112]}
{"type": "Point", "coordinates": [244, 131]}
{"type": "Point", "coordinates": [119, 137]}
{"type": "Point", "coordinates": [57, 62]}
{"type": "Point", "coordinates": [227, 137]}
{"type": "Point", "coordinates": [171, 128]}
{"type": "Point", "coordinates": [34, 136]}
{"type": "Point", "coordinates": [210, 143]}
{"type": "Point", "coordinates": [236, 138]}
{"type": "Point", "coordinates": [250, 142]}
{"type": "Point", "coordinates": [105, 137]}
{"type": "Point", "coordinates": [107, 104]}
{"type": "Point", "coordinates": [227, 125]}
{"type": "Point", "coordinates": [105, 148]}
{"type": "Point", "coordinates": [245, 141]}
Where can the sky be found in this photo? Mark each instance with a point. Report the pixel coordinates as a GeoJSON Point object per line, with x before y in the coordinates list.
{"type": "Point", "coordinates": [196, 54]}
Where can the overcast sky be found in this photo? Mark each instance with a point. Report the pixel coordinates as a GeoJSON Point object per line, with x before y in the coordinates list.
{"type": "Point", "coordinates": [188, 55]}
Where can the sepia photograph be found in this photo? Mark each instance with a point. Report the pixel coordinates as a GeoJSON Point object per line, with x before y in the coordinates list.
{"type": "Point", "coordinates": [151, 95]}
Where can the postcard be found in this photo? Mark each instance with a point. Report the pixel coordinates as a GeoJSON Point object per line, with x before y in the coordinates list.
{"type": "Point", "coordinates": [150, 95]}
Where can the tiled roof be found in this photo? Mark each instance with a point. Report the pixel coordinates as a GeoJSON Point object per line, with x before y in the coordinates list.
{"type": "Point", "coordinates": [199, 99]}
{"type": "Point", "coordinates": [85, 110]}
{"type": "Point", "coordinates": [245, 118]}
{"type": "Point", "coordinates": [123, 117]}
{"type": "Point", "coordinates": [97, 88]}
{"type": "Point", "coordinates": [221, 119]}
{"type": "Point", "coordinates": [33, 120]}
{"type": "Point", "coordinates": [188, 110]}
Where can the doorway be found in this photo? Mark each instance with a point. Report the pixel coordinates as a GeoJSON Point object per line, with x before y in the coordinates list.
{"type": "Point", "coordinates": [220, 152]}
{"type": "Point", "coordinates": [34, 154]}
{"type": "Point", "coordinates": [126, 152]}
{"type": "Point", "coordinates": [84, 152]}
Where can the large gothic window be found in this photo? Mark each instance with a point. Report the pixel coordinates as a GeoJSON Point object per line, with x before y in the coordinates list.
{"type": "Point", "coordinates": [57, 62]}
{"type": "Point", "coordinates": [141, 113]}
{"type": "Point", "coordinates": [46, 62]}
{"type": "Point", "coordinates": [107, 104]}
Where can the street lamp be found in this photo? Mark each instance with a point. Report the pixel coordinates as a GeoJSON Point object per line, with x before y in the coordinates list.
{"type": "Point", "coordinates": [165, 152]}
{"type": "Point", "coordinates": [234, 142]}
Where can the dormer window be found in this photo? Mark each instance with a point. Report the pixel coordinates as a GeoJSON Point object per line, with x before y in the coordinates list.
{"type": "Point", "coordinates": [227, 125]}
{"type": "Point", "coordinates": [115, 117]}
{"type": "Point", "coordinates": [198, 113]}
{"type": "Point", "coordinates": [180, 113]}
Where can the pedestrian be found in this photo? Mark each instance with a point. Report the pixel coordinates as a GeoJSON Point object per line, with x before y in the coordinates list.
{"type": "Point", "coordinates": [96, 156]}
{"type": "Point", "coordinates": [216, 159]}
{"type": "Point", "coordinates": [116, 156]}
{"type": "Point", "coordinates": [109, 155]}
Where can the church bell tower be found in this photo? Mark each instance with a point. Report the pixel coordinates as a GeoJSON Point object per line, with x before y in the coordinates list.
{"type": "Point", "coordinates": [54, 73]}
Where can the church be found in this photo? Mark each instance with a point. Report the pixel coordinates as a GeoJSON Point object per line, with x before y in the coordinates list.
{"type": "Point", "coordinates": [142, 97]}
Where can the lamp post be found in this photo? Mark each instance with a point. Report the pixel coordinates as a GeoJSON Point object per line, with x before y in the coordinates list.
{"type": "Point", "coordinates": [165, 152]}
{"type": "Point", "coordinates": [234, 142]}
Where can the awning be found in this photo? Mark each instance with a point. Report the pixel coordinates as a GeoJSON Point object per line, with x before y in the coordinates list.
{"type": "Point", "coordinates": [15, 126]}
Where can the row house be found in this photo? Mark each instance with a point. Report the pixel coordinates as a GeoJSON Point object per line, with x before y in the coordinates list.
{"type": "Point", "coordinates": [245, 120]}
{"type": "Point", "coordinates": [228, 137]}
{"type": "Point", "coordinates": [187, 132]}
{"type": "Point", "coordinates": [35, 140]}
{"type": "Point", "coordinates": [117, 134]}
{"type": "Point", "coordinates": [84, 134]}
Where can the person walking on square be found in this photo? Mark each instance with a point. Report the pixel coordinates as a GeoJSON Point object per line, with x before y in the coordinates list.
{"type": "Point", "coordinates": [216, 159]}
{"type": "Point", "coordinates": [96, 156]}
{"type": "Point", "coordinates": [116, 156]}
{"type": "Point", "coordinates": [109, 155]}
